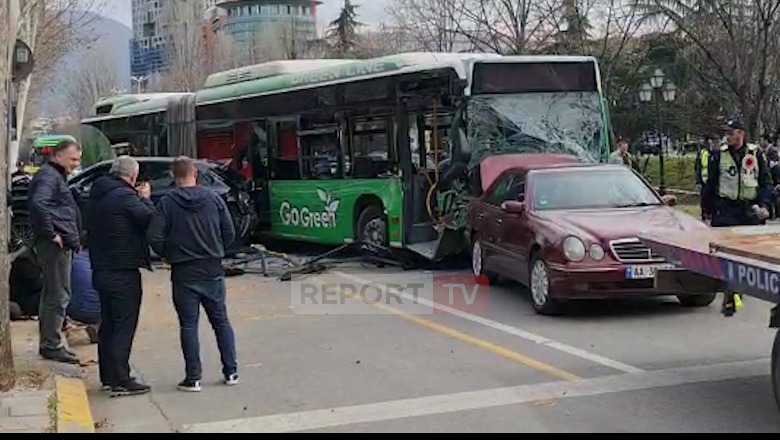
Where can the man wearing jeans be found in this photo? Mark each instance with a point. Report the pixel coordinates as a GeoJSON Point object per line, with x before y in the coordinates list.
{"type": "Point", "coordinates": [55, 220]}
{"type": "Point", "coordinates": [191, 231]}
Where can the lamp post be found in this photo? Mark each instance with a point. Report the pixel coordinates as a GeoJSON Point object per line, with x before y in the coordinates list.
{"type": "Point", "coordinates": [139, 81]}
{"type": "Point", "coordinates": [667, 92]}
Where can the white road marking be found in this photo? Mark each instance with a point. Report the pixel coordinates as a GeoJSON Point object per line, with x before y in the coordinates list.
{"type": "Point", "coordinates": [514, 331]}
{"type": "Point", "coordinates": [451, 403]}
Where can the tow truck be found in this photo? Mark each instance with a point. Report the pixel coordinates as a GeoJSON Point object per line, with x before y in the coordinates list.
{"type": "Point", "coordinates": [746, 258]}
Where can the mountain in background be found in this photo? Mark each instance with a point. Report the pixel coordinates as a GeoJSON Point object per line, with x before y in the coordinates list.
{"type": "Point", "coordinates": [112, 39]}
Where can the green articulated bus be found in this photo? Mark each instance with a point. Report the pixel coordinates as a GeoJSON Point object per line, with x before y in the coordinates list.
{"type": "Point", "coordinates": [382, 150]}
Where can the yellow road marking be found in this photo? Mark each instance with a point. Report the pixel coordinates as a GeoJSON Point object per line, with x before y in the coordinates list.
{"type": "Point", "coordinates": [73, 412]}
{"type": "Point", "coordinates": [481, 343]}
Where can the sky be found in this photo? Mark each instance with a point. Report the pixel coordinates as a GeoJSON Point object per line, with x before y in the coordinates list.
{"type": "Point", "coordinates": [371, 11]}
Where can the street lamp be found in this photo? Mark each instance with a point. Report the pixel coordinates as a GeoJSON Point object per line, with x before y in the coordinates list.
{"type": "Point", "coordinates": [139, 80]}
{"type": "Point", "coordinates": [670, 92]}
{"type": "Point", "coordinates": [666, 92]}
{"type": "Point", "coordinates": [658, 79]}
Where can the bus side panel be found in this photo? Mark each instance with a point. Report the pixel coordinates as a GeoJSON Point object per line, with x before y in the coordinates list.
{"type": "Point", "coordinates": [324, 212]}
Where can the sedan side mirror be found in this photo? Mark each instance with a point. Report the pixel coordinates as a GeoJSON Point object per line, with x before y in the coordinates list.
{"type": "Point", "coordinates": [513, 207]}
{"type": "Point", "coordinates": [669, 200]}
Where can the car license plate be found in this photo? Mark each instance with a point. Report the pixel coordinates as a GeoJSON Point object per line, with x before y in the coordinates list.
{"type": "Point", "coordinates": [645, 272]}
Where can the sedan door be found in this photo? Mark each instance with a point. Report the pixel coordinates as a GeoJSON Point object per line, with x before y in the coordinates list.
{"type": "Point", "coordinates": [516, 235]}
{"type": "Point", "coordinates": [486, 222]}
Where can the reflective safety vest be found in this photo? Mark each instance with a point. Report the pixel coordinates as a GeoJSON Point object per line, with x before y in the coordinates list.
{"type": "Point", "coordinates": [739, 182]}
{"type": "Point", "coordinates": [705, 165]}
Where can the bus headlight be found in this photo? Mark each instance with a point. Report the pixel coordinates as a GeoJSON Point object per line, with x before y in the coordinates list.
{"type": "Point", "coordinates": [574, 249]}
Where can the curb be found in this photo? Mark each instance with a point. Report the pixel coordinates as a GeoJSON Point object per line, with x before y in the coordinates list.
{"type": "Point", "coordinates": [74, 415]}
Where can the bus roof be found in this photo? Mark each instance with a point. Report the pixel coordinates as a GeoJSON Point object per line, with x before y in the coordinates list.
{"type": "Point", "coordinates": [132, 105]}
{"type": "Point", "coordinates": [51, 140]}
{"type": "Point", "coordinates": [291, 75]}
{"type": "Point", "coordinates": [227, 86]}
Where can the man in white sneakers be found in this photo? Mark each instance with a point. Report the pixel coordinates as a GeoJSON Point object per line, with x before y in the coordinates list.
{"type": "Point", "coordinates": [191, 231]}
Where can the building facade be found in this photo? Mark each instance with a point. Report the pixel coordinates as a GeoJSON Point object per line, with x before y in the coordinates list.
{"type": "Point", "coordinates": [268, 29]}
{"type": "Point", "coordinates": [152, 31]}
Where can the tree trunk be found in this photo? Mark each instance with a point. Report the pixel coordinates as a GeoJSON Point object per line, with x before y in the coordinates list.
{"type": "Point", "coordinates": [7, 371]}
{"type": "Point", "coordinates": [22, 98]}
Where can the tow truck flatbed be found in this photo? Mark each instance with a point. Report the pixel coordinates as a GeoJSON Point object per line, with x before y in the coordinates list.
{"type": "Point", "coordinates": [745, 258]}
{"type": "Point", "coordinates": [748, 258]}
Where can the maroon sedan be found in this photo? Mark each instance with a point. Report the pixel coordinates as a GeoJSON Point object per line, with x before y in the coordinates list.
{"type": "Point", "coordinates": [569, 231]}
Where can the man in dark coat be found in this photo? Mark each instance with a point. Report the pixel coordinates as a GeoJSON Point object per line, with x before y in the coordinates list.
{"type": "Point", "coordinates": [119, 216]}
{"type": "Point", "coordinates": [54, 217]}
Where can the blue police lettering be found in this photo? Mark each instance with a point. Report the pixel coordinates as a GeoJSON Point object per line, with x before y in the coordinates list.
{"type": "Point", "coordinates": [755, 278]}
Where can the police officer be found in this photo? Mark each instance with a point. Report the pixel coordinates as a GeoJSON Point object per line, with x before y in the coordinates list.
{"type": "Point", "coordinates": [703, 172]}
{"type": "Point", "coordinates": [738, 191]}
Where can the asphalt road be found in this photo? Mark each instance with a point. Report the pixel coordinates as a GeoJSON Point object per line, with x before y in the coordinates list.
{"type": "Point", "coordinates": [633, 366]}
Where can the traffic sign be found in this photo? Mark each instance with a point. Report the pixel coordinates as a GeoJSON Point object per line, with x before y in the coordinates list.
{"type": "Point", "coordinates": [24, 61]}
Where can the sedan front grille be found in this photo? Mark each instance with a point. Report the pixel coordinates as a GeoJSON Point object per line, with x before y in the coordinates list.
{"type": "Point", "coordinates": [634, 251]}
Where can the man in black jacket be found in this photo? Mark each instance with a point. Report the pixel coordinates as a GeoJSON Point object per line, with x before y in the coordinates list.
{"type": "Point", "coordinates": [117, 223]}
{"type": "Point", "coordinates": [54, 217]}
{"type": "Point", "coordinates": [191, 231]}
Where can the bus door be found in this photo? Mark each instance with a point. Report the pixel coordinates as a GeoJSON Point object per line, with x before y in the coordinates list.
{"type": "Point", "coordinates": [281, 162]}
{"type": "Point", "coordinates": [428, 133]}
{"type": "Point", "coordinates": [258, 152]}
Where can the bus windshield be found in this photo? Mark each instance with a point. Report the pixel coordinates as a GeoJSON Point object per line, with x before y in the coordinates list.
{"type": "Point", "coordinates": [559, 122]}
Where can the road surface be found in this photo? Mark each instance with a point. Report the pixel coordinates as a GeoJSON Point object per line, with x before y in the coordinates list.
{"type": "Point", "coordinates": [634, 366]}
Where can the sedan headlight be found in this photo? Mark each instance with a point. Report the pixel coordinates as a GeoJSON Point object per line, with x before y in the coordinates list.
{"type": "Point", "coordinates": [574, 249]}
{"type": "Point", "coordinates": [597, 252]}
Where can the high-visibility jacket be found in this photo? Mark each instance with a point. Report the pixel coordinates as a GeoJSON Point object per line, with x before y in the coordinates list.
{"type": "Point", "coordinates": [705, 165]}
{"type": "Point", "coordinates": [739, 182]}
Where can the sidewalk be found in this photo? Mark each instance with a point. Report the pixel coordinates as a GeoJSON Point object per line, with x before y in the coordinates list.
{"type": "Point", "coordinates": [48, 397]}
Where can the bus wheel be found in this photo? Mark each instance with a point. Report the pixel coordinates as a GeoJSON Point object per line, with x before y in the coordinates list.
{"type": "Point", "coordinates": [372, 226]}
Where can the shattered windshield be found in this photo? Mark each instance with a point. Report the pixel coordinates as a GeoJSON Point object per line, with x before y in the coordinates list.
{"type": "Point", "coordinates": [561, 123]}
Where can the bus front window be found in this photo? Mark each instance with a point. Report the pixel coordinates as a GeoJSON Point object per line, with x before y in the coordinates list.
{"type": "Point", "coordinates": [560, 123]}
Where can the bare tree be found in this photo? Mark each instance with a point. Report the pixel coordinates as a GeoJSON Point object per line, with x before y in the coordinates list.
{"type": "Point", "coordinates": [384, 41]}
{"type": "Point", "coordinates": [95, 79]}
{"type": "Point", "coordinates": [732, 48]}
{"type": "Point", "coordinates": [187, 61]}
{"type": "Point", "coordinates": [51, 28]}
{"type": "Point", "coordinates": [222, 54]}
{"type": "Point", "coordinates": [427, 25]}
{"type": "Point", "coordinates": [7, 371]}
{"type": "Point", "coordinates": [499, 26]}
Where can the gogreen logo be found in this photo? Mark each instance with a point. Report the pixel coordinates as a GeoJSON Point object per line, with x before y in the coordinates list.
{"type": "Point", "coordinates": [305, 217]}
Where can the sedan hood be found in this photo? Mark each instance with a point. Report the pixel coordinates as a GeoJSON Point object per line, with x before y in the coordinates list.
{"type": "Point", "coordinates": [615, 224]}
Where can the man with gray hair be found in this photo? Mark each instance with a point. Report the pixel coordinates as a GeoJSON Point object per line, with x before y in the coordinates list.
{"type": "Point", "coordinates": [120, 211]}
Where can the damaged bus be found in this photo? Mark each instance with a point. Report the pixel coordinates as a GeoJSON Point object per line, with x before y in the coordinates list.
{"type": "Point", "coordinates": [387, 150]}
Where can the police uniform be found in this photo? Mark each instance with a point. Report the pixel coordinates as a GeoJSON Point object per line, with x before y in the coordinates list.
{"type": "Point", "coordinates": [737, 181]}
{"type": "Point", "coordinates": [702, 177]}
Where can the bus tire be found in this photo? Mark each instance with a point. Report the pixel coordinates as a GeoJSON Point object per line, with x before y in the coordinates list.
{"type": "Point", "coordinates": [372, 226]}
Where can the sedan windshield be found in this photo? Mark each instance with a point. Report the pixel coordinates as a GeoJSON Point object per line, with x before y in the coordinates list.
{"type": "Point", "coordinates": [591, 189]}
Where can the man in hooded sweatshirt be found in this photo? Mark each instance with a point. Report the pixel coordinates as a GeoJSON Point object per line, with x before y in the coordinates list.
{"type": "Point", "coordinates": [119, 214]}
{"type": "Point", "coordinates": [191, 231]}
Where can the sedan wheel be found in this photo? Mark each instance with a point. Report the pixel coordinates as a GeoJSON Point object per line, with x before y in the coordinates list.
{"type": "Point", "coordinates": [478, 263]}
{"type": "Point", "coordinates": [543, 302]}
{"type": "Point", "coordinates": [476, 259]}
